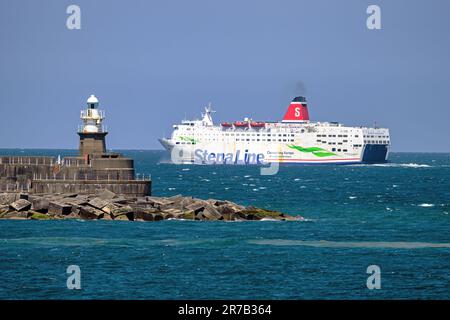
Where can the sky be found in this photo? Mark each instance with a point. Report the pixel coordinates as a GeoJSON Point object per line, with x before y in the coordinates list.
{"type": "Point", "coordinates": [153, 63]}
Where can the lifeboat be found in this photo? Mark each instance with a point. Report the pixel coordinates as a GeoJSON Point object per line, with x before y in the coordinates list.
{"type": "Point", "coordinates": [240, 124]}
{"type": "Point", "coordinates": [257, 124]}
{"type": "Point", "coordinates": [226, 124]}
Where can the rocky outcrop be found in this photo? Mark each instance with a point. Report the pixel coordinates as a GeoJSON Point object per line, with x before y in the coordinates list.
{"type": "Point", "coordinates": [107, 205]}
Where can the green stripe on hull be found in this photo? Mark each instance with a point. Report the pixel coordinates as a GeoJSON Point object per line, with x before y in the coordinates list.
{"type": "Point", "coordinates": [318, 152]}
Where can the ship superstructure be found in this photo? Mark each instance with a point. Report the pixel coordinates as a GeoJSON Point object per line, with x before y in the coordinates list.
{"type": "Point", "coordinates": [295, 139]}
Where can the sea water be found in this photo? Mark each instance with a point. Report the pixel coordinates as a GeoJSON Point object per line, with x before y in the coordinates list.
{"type": "Point", "coordinates": [393, 215]}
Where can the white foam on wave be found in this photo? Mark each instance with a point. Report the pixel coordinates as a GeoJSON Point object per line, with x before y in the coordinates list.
{"type": "Point", "coordinates": [352, 197]}
{"type": "Point", "coordinates": [401, 165]}
{"type": "Point", "coordinates": [426, 205]}
{"type": "Point", "coordinates": [268, 219]}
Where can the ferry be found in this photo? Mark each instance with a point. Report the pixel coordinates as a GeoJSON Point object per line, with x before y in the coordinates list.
{"type": "Point", "coordinates": [295, 139]}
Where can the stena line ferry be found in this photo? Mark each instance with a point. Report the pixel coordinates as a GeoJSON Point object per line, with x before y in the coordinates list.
{"type": "Point", "coordinates": [295, 139]}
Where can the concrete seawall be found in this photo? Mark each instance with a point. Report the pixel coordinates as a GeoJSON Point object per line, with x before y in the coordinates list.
{"type": "Point", "coordinates": [130, 187]}
{"type": "Point", "coordinates": [45, 175]}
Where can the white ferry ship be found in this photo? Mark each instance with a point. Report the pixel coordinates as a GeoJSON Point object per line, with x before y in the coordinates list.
{"type": "Point", "coordinates": [295, 139]}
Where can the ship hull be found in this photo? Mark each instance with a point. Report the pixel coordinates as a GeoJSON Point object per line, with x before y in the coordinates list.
{"type": "Point", "coordinates": [282, 154]}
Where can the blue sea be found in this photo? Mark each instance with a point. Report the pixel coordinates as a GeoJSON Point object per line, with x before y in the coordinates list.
{"type": "Point", "coordinates": [393, 215]}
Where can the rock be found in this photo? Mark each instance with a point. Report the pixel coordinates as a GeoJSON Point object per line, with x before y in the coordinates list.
{"type": "Point", "coordinates": [105, 194]}
{"type": "Point", "coordinates": [199, 216]}
{"type": "Point", "coordinates": [157, 201]}
{"type": "Point", "coordinates": [21, 205]}
{"type": "Point", "coordinates": [121, 213]}
{"type": "Point", "coordinates": [228, 216]}
{"type": "Point", "coordinates": [39, 204]}
{"type": "Point", "coordinates": [188, 215]}
{"type": "Point", "coordinates": [7, 198]}
{"type": "Point", "coordinates": [196, 206]}
{"type": "Point", "coordinates": [251, 216]}
{"type": "Point", "coordinates": [142, 214]}
{"type": "Point", "coordinates": [98, 203]}
{"type": "Point", "coordinates": [109, 208]}
{"type": "Point", "coordinates": [171, 213]}
{"type": "Point", "coordinates": [107, 216]}
{"type": "Point", "coordinates": [15, 215]}
{"type": "Point", "coordinates": [228, 208]}
{"type": "Point", "coordinates": [119, 200]}
{"type": "Point", "coordinates": [70, 195]}
{"type": "Point", "coordinates": [58, 208]}
{"type": "Point", "coordinates": [76, 201]}
{"type": "Point", "coordinates": [73, 214]}
{"type": "Point", "coordinates": [240, 216]}
{"type": "Point", "coordinates": [211, 213]}
{"type": "Point", "coordinates": [157, 216]}
{"type": "Point", "coordinates": [125, 216]}
{"type": "Point", "coordinates": [89, 213]}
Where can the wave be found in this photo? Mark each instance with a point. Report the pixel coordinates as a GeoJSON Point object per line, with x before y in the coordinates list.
{"type": "Point", "coordinates": [426, 205]}
{"type": "Point", "coordinates": [402, 165]}
{"type": "Point", "coordinates": [352, 244]}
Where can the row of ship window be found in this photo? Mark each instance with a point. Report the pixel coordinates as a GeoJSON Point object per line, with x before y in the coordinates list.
{"type": "Point", "coordinates": [373, 136]}
{"type": "Point", "coordinates": [334, 136]}
{"type": "Point", "coordinates": [268, 140]}
{"type": "Point", "coordinates": [339, 150]}
{"type": "Point", "coordinates": [377, 141]}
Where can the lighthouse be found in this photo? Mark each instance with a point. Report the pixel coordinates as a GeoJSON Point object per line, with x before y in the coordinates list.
{"type": "Point", "coordinates": [92, 132]}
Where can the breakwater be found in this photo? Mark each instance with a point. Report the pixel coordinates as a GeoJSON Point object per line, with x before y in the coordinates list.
{"type": "Point", "coordinates": [108, 205]}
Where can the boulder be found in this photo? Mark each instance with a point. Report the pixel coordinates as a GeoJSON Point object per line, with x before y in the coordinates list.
{"type": "Point", "coordinates": [21, 205]}
{"type": "Point", "coordinates": [211, 213]}
{"type": "Point", "coordinates": [121, 217]}
{"type": "Point", "coordinates": [7, 198]}
{"type": "Point", "coordinates": [119, 200]}
{"type": "Point", "coordinates": [157, 201]}
{"type": "Point", "coordinates": [141, 214]}
{"type": "Point", "coordinates": [15, 215]}
{"type": "Point", "coordinates": [39, 204]}
{"type": "Point", "coordinates": [59, 208]}
{"type": "Point", "coordinates": [228, 208]}
{"type": "Point", "coordinates": [199, 216]}
{"type": "Point", "coordinates": [109, 208]}
{"type": "Point", "coordinates": [125, 216]}
{"type": "Point", "coordinates": [157, 216]}
{"type": "Point", "coordinates": [98, 203]}
{"type": "Point", "coordinates": [122, 213]}
{"type": "Point", "coordinates": [70, 195]}
{"type": "Point", "coordinates": [228, 216]}
{"type": "Point", "coordinates": [187, 215]}
{"type": "Point", "coordinates": [105, 194]}
{"type": "Point", "coordinates": [76, 201]}
{"type": "Point", "coordinates": [89, 213]}
{"type": "Point", "coordinates": [196, 206]}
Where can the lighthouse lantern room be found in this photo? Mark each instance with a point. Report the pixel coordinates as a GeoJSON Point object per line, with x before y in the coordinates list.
{"type": "Point", "coordinates": [92, 132]}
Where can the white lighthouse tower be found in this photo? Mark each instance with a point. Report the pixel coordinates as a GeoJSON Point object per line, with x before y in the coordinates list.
{"type": "Point", "coordinates": [92, 132]}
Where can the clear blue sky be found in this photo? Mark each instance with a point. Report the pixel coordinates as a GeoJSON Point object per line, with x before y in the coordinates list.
{"type": "Point", "coordinates": [151, 62]}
